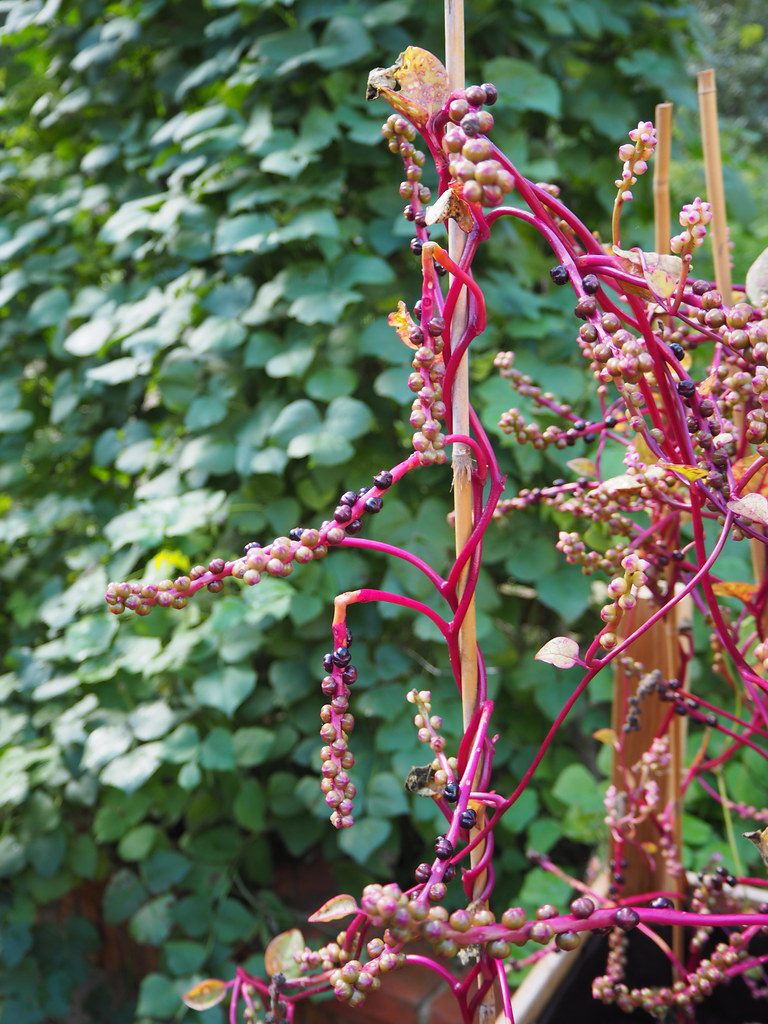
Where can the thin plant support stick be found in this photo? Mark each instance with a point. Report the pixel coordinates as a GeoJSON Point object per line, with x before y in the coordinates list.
{"type": "Point", "coordinates": [462, 455]}
{"type": "Point", "coordinates": [713, 170]}
{"type": "Point", "coordinates": [661, 207]}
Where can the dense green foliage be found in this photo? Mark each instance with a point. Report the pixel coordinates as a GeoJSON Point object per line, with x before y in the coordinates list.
{"type": "Point", "coordinates": [199, 242]}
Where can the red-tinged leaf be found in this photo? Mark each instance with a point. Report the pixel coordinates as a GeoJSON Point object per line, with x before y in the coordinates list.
{"type": "Point", "coordinates": [467, 741]}
{"type": "Point", "coordinates": [561, 651]}
{"type": "Point", "coordinates": [334, 909]}
{"type": "Point", "coordinates": [660, 272]}
{"type": "Point", "coordinates": [416, 85]}
{"type": "Point", "coordinates": [279, 955]}
{"type": "Point", "coordinates": [752, 506]}
{"type": "Point", "coordinates": [206, 994]}
{"type": "Point", "coordinates": [744, 591]}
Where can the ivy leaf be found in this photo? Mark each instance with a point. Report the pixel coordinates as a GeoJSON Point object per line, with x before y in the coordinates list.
{"type": "Point", "coordinates": [335, 909]}
{"type": "Point", "coordinates": [279, 954]}
{"type": "Point", "coordinates": [205, 994]}
{"type": "Point", "coordinates": [561, 651]}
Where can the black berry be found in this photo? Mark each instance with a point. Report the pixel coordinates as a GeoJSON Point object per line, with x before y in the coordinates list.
{"type": "Point", "coordinates": [590, 284]}
{"type": "Point", "coordinates": [686, 388]}
{"type": "Point", "coordinates": [374, 505]}
{"type": "Point", "coordinates": [559, 274]}
{"type": "Point", "coordinates": [354, 527]}
{"type": "Point", "coordinates": [451, 792]}
{"type": "Point", "coordinates": [468, 818]}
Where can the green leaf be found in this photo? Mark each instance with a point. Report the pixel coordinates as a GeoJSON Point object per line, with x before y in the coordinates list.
{"type": "Point", "coordinates": [364, 838]}
{"type": "Point", "coordinates": [158, 997]}
{"type": "Point", "coordinates": [152, 922]}
{"type": "Point", "coordinates": [89, 337]}
{"type": "Point", "coordinates": [253, 745]}
{"type": "Point", "coordinates": [138, 842]}
{"type": "Point", "coordinates": [226, 689]}
{"type": "Point", "coordinates": [249, 805]}
{"type": "Point", "coordinates": [134, 768]}
{"type": "Point", "coordinates": [163, 869]}
{"type": "Point", "coordinates": [123, 896]}
{"type": "Point", "coordinates": [217, 751]}
{"type": "Point", "coordinates": [523, 86]}
{"type": "Point", "coordinates": [184, 958]}
{"type": "Point", "coordinates": [385, 796]}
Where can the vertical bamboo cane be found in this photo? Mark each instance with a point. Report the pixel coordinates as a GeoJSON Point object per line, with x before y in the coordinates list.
{"type": "Point", "coordinates": [462, 456]}
{"type": "Point", "coordinates": [657, 648]}
{"type": "Point", "coordinates": [713, 170]}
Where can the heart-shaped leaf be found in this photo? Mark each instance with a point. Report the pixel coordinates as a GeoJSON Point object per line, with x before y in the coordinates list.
{"type": "Point", "coordinates": [279, 955]}
{"type": "Point", "coordinates": [205, 994]}
{"type": "Point", "coordinates": [561, 651]}
{"type": "Point", "coordinates": [751, 506]}
{"type": "Point", "coordinates": [334, 909]}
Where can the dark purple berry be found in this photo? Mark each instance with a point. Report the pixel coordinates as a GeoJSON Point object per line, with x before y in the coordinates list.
{"type": "Point", "coordinates": [251, 544]}
{"type": "Point", "coordinates": [416, 246]}
{"type": "Point", "coordinates": [328, 662]}
{"type": "Point", "coordinates": [677, 351]}
{"type": "Point", "coordinates": [422, 873]}
{"type": "Point", "coordinates": [451, 792]}
{"type": "Point", "coordinates": [436, 326]}
{"type": "Point", "coordinates": [662, 903]}
{"type": "Point", "coordinates": [409, 213]}
{"type": "Point", "coordinates": [468, 818]}
{"type": "Point", "coordinates": [341, 656]}
{"type": "Point", "coordinates": [443, 848]}
{"type": "Point", "coordinates": [590, 284]}
{"type": "Point", "coordinates": [470, 124]}
{"type": "Point", "coordinates": [348, 498]}
{"type": "Point", "coordinates": [342, 514]}
{"type": "Point", "coordinates": [582, 907]}
{"type": "Point", "coordinates": [383, 480]}
{"type": "Point", "coordinates": [440, 270]}
{"type": "Point", "coordinates": [610, 422]}
{"type": "Point", "coordinates": [296, 532]}
{"type": "Point", "coordinates": [559, 274]}
{"type": "Point", "coordinates": [354, 527]}
{"type": "Point", "coordinates": [626, 918]}
{"type": "Point", "coordinates": [686, 388]}
{"type": "Point", "coordinates": [475, 95]}
{"type": "Point", "coordinates": [491, 93]}
{"type": "Point", "coordinates": [374, 505]}
{"type": "Point", "coordinates": [450, 872]}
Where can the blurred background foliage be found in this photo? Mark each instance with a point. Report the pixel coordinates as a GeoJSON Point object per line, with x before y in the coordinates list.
{"type": "Point", "coordinates": [200, 239]}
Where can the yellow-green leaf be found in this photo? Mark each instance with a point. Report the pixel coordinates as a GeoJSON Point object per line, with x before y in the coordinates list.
{"type": "Point", "coordinates": [690, 473]}
{"type": "Point", "coordinates": [334, 909]}
{"type": "Point", "coordinates": [279, 955]}
{"type": "Point", "coordinates": [205, 994]}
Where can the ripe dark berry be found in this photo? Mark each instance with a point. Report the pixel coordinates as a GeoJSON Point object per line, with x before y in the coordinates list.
{"type": "Point", "coordinates": [440, 270]}
{"type": "Point", "coordinates": [361, 492]}
{"type": "Point", "coordinates": [491, 93]}
{"type": "Point", "coordinates": [349, 675]}
{"type": "Point", "coordinates": [383, 480]}
{"type": "Point", "coordinates": [451, 792]}
{"type": "Point", "coordinates": [422, 873]}
{"type": "Point", "coordinates": [443, 848]}
{"type": "Point", "coordinates": [328, 662]}
{"type": "Point", "coordinates": [559, 274]}
{"type": "Point", "coordinates": [342, 514]}
{"type": "Point", "coordinates": [416, 246]}
{"type": "Point", "coordinates": [354, 527]}
{"type": "Point", "coordinates": [582, 907]}
{"type": "Point", "coordinates": [626, 918]}
{"type": "Point", "coordinates": [348, 498]}
{"type": "Point", "coordinates": [686, 388]}
{"type": "Point", "coordinates": [468, 818]}
{"type": "Point", "coordinates": [475, 95]}
{"type": "Point", "coordinates": [470, 124]}
{"type": "Point", "coordinates": [296, 532]}
{"type": "Point", "coordinates": [409, 213]}
{"type": "Point", "coordinates": [662, 903]}
{"type": "Point", "coordinates": [450, 872]}
{"type": "Point", "coordinates": [341, 656]}
{"type": "Point", "coordinates": [374, 505]}
{"type": "Point", "coordinates": [590, 284]}
{"type": "Point", "coordinates": [610, 421]}
{"type": "Point", "coordinates": [677, 350]}
{"type": "Point", "coordinates": [251, 544]}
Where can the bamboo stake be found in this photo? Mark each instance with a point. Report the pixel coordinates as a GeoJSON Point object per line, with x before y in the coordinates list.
{"type": "Point", "coordinates": [462, 455]}
{"type": "Point", "coordinates": [661, 207]}
{"type": "Point", "coordinates": [713, 169]}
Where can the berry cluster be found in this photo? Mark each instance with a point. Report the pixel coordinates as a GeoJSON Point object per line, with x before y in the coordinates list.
{"type": "Point", "coordinates": [471, 162]}
{"type": "Point", "coordinates": [338, 723]}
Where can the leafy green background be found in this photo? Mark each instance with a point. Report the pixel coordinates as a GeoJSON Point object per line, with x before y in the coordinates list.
{"type": "Point", "coordinates": [200, 239]}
